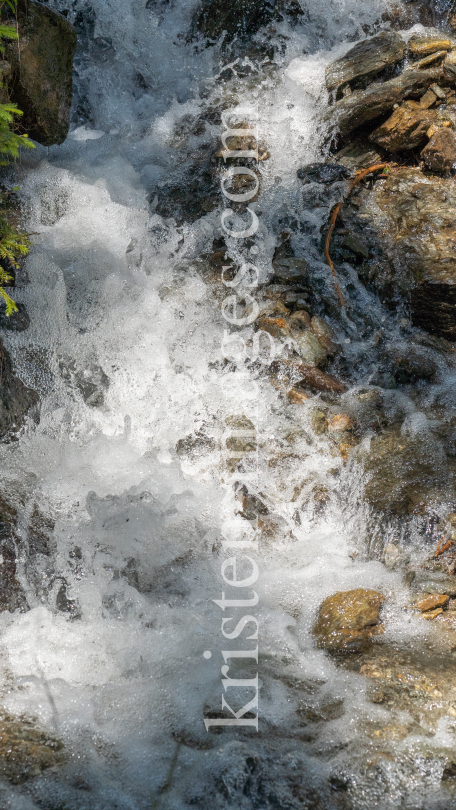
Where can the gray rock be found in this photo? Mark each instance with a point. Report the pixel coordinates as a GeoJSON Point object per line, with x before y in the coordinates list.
{"type": "Point", "coordinates": [366, 60]}
{"type": "Point", "coordinates": [322, 173]}
{"type": "Point", "coordinates": [15, 398]}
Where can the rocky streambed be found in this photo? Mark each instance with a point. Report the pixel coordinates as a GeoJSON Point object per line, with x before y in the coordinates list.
{"type": "Point", "coordinates": [127, 439]}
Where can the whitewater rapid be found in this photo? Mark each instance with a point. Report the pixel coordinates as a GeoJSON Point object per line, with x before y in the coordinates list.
{"type": "Point", "coordinates": [134, 479]}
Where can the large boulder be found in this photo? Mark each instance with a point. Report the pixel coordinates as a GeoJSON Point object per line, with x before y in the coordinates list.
{"type": "Point", "coordinates": [347, 620]}
{"type": "Point", "coordinates": [40, 82]}
{"type": "Point", "coordinates": [406, 225]}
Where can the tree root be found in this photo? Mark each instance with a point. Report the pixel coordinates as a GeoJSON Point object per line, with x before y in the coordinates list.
{"type": "Point", "coordinates": [358, 177]}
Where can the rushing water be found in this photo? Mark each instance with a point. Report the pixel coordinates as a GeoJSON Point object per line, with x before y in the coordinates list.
{"type": "Point", "coordinates": [124, 349]}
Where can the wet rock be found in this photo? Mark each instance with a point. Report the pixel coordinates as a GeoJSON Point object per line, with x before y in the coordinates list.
{"type": "Point", "coordinates": [410, 363]}
{"type": "Point", "coordinates": [195, 445]}
{"type": "Point", "coordinates": [39, 533]}
{"type": "Point", "coordinates": [25, 750]}
{"type": "Point", "coordinates": [287, 266]}
{"type": "Point", "coordinates": [319, 421]}
{"type": "Point", "coordinates": [41, 71]}
{"type": "Point", "coordinates": [428, 99]}
{"type": "Point", "coordinates": [403, 471]}
{"type": "Point", "coordinates": [238, 18]}
{"type": "Point", "coordinates": [11, 593]}
{"type": "Point", "coordinates": [405, 129]}
{"type": "Point", "coordinates": [440, 153]}
{"type": "Point", "coordinates": [310, 348]}
{"type": "Point", "coordinates": [407, 221]}
{"type": "Point", "coordinates": [340, 423]}
{"type": "Point", "coordinates": [366, 60]}
{"type": "Point", "coordinates": [449, 771]}
{"type": "Point", "coordinates": [91, 381]}
{"type": "Point", "coordinates": [17, 322]}
{"type": "Point", "coordinates": [358, 155]}
{"type": "Point", "coordinates": [307, 376]}
{"type": "Point", "coordinates": [15, 398]}
{"type": "Point", "coordinates": [348, 620]}
{"type": "Point", "coordinates": [364, 106]}
{"type": "Point", "coordinates": [322, 173]}
{"type": "Point", "coordinates": [424, 44]}
{"type": "Point", "coordinates": [439, 600]}
{"type": "Point", "coordinates": [300, 319]}
{"type": "Point", "coordinates": [326, 336]}
{"type": "Point", "coordinates": [296, 396]}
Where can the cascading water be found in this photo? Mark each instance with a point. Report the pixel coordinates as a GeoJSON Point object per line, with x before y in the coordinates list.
{"type": "Point", "coordinates": [125, 471]}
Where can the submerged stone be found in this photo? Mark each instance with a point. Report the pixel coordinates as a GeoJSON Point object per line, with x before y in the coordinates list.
{"type": "Point", "coordinates": [366, 60]}
{"type": "Point", "coordinates": [41, 79]}
{"type": "Point", "coordinates": [403, 471]}
{"type": "Point", "coordinates": [348, 620]}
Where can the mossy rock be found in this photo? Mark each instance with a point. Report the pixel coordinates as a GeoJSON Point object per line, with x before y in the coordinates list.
{"type": "Point", "coordinates": [41, 79]}
{"type": "Point", "coordinates": [25, 751]}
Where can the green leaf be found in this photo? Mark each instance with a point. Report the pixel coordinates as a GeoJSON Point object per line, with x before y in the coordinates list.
{"type": "Point", "coordinates": [8, 32]}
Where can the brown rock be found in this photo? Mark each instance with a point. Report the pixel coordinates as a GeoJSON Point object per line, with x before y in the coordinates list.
{"type": "Point", "coordinates": [438, 600]}
{"type": "Point", "coordinates": [296, 396]}
{"type": "Point", "coordinates": [366, 60]}
{"type": "Point", "coordinates": [405, 129]}
{"type": "Point", "coordinates": [425, 44]}
{"type": "Point", "coordinates": [300, 319]}
{"type": "Point", "coordinates": [432, 614]}
{"type": "Point", "coordinates": [25, 750]}
{"type": "Point", "coordinates": [347, 620]}
{"type": "Point", "coordinates": [440, 153]}
{"type": "Point", "coordinates": [432, 59]}
{"type": "Point", "coordinates": [308, 376]}
{"type": "Point", "coordinates": [408, 222]}
{"type": "Point", "coordinates": [340, 423]}
{"type": "Point", "coordinates": [428, 99]}
{"type": "Point", "coordinates": [363, 106]}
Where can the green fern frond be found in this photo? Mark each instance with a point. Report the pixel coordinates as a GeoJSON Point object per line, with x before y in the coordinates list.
{"type": "Point", "coordinates": [8, 32]}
